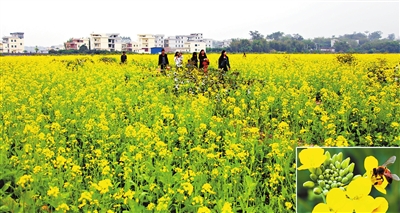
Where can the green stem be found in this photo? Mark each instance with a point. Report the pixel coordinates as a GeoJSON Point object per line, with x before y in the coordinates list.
{"type": "Point", "coordinates": [323, 197]}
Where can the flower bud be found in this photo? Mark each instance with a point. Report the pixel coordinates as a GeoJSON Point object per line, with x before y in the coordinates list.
{"type": "Point", "coordinates": [309, 184]}
{"type": "Point", "coordinates": [318, 171]}
{"type": "Point", "coordinates": [328, 155]}
{"type": "Point", "coordinates": [321, 183]}
{"type": "Point", "coordinates": [312, 170]}
{"type": "Point", "coordinates": [334, 157]}
{"type": "Point", "coordinates": [337, 165]}
{"type": "Point", "coordinates": [317, 191]}
{"type": "Point", "coordinates": [346, 170]}
{"type": "Point", "coordinates": [334, 185]}
{"type": "Point", "coordinates": [339, 157]}
{"type": "Point", "coordinates": [326, 192]}
{"type": "Point", "coordinates": [349, 176]}
{"type": "Point", "coordinates": [313, 177]}
{"type": "Point", "coordinates": [327, 186]}
{"type": "Point", "coordinates": [351, 167]}
{"type": "Point", "coordinates": [345, 180]}
{"type": "Point", "coordinates": [345, 163]}
{"type": "Point", "coordinates": [342, 173]}
{"type": "Point", "coordinates": [357, 176]}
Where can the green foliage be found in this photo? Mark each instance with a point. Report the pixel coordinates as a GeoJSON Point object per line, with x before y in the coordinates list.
{"type": "Point", "coordinates": [348, 58]}
{"type": "Point", "coordinates": [108, 60]}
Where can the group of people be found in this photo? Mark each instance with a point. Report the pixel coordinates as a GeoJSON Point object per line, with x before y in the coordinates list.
{"type": "Point", "coordinates": [201, 61]}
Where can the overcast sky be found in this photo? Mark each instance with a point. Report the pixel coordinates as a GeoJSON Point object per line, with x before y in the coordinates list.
{"type": "Point", "coordinates": [53, 22]}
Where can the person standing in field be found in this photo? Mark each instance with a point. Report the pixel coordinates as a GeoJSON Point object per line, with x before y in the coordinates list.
{"type": "Point", "coordinates": [178, 60]}
{"type": "Point", "coordinates": [194, 60]}
{"type": "Point", "coordinates": [163, 60]}
{"type": "Point", "coordinates": [205, 65]}
{"type": "Point", "coordinates": [223, 61]}
{"type": "Point", "coordinates": [202, 56]}
{"type": "Point", "coordinates": [123, 58]}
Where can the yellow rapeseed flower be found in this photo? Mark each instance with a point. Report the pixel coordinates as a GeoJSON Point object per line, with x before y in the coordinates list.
{"type": "Point", "coordinates": [53, 191]}
{"type": "Point", "coordinates": [203, 209]}
{"type": "Point", "coordinates": [311, 158]}
{"type": "Point", "coordinates": [370, 163]}
{"type": "Point", "coordinates": [226, 208]}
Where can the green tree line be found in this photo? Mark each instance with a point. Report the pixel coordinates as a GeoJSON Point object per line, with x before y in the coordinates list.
{"type": "Point", "coordinates": [294, 43]}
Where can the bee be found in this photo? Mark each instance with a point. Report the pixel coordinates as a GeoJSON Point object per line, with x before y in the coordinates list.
{"type": "Point", "coordinates": [380, 171]}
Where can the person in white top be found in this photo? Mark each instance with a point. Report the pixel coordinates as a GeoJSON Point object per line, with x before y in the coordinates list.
{"type": "Point", "coordinates": [179, 60]}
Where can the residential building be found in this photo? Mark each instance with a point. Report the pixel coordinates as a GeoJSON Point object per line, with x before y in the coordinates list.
{"type": "Point", "coordinates": [1, 47]}
{"type": "Point", "coordinates": [108, 41]}
{"type": "Point", "coordinates": [159, 40]}
{"type": "Point", "coordinates": [187, 43]}
{"type": "Point", "coordinates": [333, 41]}
{"type": "Point", "coordinates": [146, 41]}
{"type": "Point", "coordinates": [13, 43]}
{"type": "Point", "coordinates": [76, 43]}
{"type": "Point", "coordinates": [226, 43]}
{"type": "Point", "coordinates": [332, 50]}
{"type": "Point", "coordinates": [131, 46]}
{"type": "Point", "coordinates": [194, 46]}
{"type": "Point", "coordinates": [209, 43]}
{"type": "Point", "coordinates": [177, 41]}
{"type": "Point", "coordinates": [196, 36]}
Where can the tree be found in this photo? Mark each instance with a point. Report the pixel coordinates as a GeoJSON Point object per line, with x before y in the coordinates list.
{"type": "Point", "coordinates": [83, 48]}
{"type": "Point", "coordinates": [297, 37]}
{"type": "Point", "coordinates": [375, 35]}
{"type": "Point", "coordinates": [36, 49]}
{"type": "Point", "coordinates": [391, 36]}
{"type": "Point", "coordinates": [341, 46]}
{"type": "Point", "coordinates": [322, 42]}
{"type": "Point", "coordinates": [276, 35]}
{"type": "Point", "coordinates": [256, 35]}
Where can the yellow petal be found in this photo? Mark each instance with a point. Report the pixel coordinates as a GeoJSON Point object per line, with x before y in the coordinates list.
{"type": "Point", "coordinates": [383, 205]}
{"type": "Point", "coordinates": [311, 158]}
{"type": "Point", "coordinates": [381, 188]}
{"type": "Point", "coordinates": [365, 204]}
{"type": "Point", "coordinates": [321, 208]}
{"type": "Point", "coordinates": [370, 163]}
{"type": "Point", "coordinates": [336, 198]}
{"type": "Point", "coordinates": [359, 188]}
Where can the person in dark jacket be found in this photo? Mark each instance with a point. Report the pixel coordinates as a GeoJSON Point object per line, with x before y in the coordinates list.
{"type": "Point", "coordinates": [123, 57]}
{"type": "Point", "coordinates": [202, 56]}
{"type": "Point", "coordinates": [194, 60]}
{"type": "Point", "coordinates": [223, 61]}
{"type": "Point", "coordinates": [163, 60]}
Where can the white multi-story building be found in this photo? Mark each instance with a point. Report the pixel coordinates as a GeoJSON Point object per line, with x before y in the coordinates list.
{"type": "Point", "coordinates": [146, 41]}
{"type": "Point", "coordinates": [14, 43]}
{"type": "Point", "coordinates": [159, 40]}
{"type": "Point", "coordinates": [102, 41]}
{"type": "Point", "coordinates": [209, 43]}
{"type": "Point", "coordinates": [187, 43]}
{"type": "Point", "coordinates": [194, 46]}
{"type": "Point", "coordinates": [196, 36]}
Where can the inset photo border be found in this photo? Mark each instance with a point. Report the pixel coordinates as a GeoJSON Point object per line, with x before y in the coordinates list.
{"type": "Point", "coordinates": [347, 179]}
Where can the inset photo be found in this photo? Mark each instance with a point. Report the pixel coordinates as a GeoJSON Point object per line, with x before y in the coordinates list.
{"type": "Point", "coordinates": [353, 179]}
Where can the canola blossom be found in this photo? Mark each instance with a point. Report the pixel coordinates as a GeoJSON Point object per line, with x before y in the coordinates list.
{"type": "Point", "coordinates": [371, 163]}
{"type": "Point", "coordinates": [87, 134]}
{"type": "Point", "coordinates": [311, 158]}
